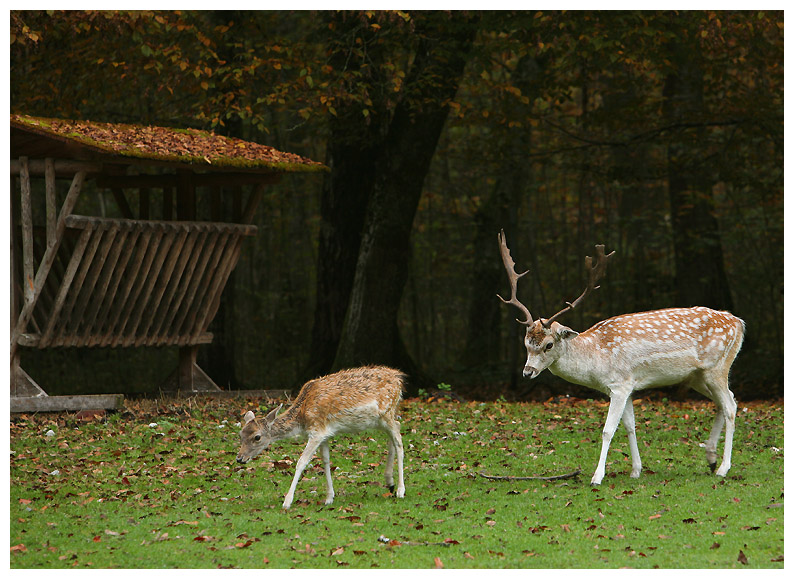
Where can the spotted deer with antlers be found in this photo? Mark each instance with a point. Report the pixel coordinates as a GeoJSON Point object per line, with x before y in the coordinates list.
{"type": "Point", "coordinates": [622, 355]}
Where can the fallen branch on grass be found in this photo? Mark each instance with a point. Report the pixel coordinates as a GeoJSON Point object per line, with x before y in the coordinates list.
{"type": "Point", "coordinates": [547, 478]}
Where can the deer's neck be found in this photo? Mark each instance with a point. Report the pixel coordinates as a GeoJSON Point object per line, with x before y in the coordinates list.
{"type": "Point", "coordinates": [287, 425]}
{"type": "Point", "coordinates": [581, 363]}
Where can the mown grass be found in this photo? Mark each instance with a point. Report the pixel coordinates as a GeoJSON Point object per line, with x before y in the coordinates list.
{"type": "Point", "coordinates": [157, 487]}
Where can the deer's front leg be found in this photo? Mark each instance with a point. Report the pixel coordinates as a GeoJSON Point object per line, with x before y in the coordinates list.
{"type": "Point", "coordinates": [303, 462]}
{"type": "Point", "coordinates": [617, 406]}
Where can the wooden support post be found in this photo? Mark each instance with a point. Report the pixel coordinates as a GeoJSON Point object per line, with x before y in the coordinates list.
{"type": "Point", "coordinates": [52, 210]}
{"type": "Point", "coordinates": [190, 378]}
{"type": "Point", "coordinates": [27, 231]}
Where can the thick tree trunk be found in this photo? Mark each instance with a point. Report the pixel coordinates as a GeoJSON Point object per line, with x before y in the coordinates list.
{"type": "Point", "coordinates": [700, 278]}
{"type": "Point", "coordinates": [353, 147]}
{"type": "Point", "coordinates": [370, 333]}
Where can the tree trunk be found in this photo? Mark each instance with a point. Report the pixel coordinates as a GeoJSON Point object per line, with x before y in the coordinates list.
{"type": "Point", "coordinates": [353, 146]}
{"type": "Point", "coordinates": [370, 333]}
{"type": "Point", "coordinates": [700, 278]}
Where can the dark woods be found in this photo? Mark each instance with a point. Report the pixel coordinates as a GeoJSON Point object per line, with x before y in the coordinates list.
{"type": "Point", "coordinates": [658, 134]}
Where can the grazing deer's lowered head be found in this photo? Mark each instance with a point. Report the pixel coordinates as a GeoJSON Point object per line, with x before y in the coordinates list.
{"type": "Point", "coordinates": [627, 353]}
{"type": "Point", "coordinates": [347, 401]}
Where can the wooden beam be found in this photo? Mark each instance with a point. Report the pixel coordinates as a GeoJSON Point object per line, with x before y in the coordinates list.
{"type": "Point", "coordinates": [199, 180]}
{"type": "Point", "coordinates": [66, 403]}
{"type": "Point", "coordinates": [64, 168]}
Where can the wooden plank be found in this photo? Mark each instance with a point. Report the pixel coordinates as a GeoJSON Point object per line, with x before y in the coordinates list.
{"type": "Point", "coordinates": [83, 221]}
{"type": "Point", "coordinates": [15, 294]}
{"type": "Point", "coordinates": [66, 403]}
{"type": "Point", "coordinates": [27, 231]}
{"type": "Point", "coordinates": [52, 216]}
{"type": "Point", "coordinates": [66, 283]}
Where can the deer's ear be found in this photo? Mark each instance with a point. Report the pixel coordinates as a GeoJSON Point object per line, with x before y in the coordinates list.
{"type": "Point", "coordinates": [564, 332]}
{"type": "Point", "coordinates": [273, 413]}
{"type": "Point", "coordinates": [249, 416]}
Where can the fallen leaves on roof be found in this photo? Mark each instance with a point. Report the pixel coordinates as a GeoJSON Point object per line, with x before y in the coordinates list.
{"type": "Point", "coordinates": [191, 146]}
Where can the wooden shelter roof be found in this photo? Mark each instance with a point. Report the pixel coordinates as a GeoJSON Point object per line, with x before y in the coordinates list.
{"type": "Point", "coordinates": [38, 137]}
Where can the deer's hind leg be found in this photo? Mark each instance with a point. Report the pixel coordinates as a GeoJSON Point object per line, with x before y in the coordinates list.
{"type": "Point", "coordinates": [714, 385]}
{"type": "Point", "coordinates": [629, 423]}
{"type": "Point", "coordinates": [329, 485]}
{"type": "Point", "coordinates": [395, 445]}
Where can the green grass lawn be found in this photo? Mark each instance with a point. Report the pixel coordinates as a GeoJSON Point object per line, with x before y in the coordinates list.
{"type": "Point", "coordinates": [157, 486]}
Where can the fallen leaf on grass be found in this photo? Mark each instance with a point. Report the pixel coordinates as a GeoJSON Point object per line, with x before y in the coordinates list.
{"type": "Point", "coordinates": [438, 563]}
{"type": "Point", "coordinates": [19, 548]}
{"type": "Point", "coordinates": [742, 557]}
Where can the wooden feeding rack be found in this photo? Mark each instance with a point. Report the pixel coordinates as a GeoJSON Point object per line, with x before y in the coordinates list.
{"type": "Point", "coordinates": [92, 281]}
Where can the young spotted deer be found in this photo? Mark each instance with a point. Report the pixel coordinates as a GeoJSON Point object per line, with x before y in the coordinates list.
{"type": "Point", "coordinates": [347, 401]}
{"type": "Point", "coordinates": [627, 353]}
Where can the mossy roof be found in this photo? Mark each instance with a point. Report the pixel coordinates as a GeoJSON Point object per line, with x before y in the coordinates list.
{"type": "Point", "coordinates": [123, 142]}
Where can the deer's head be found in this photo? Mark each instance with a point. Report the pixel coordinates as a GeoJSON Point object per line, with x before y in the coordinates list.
{"type": "Point", "coordinates": [256, 435]}
{"type": "Point", "coordinates": [545, 345]}
{"type": "Point", "coordinates": [546, 339]}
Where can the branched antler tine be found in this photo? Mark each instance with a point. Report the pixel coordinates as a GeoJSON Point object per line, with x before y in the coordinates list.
{"type": "Point", "coordinates": [510, 266]}
{"type": "Point", "coordinates": [595, 272]}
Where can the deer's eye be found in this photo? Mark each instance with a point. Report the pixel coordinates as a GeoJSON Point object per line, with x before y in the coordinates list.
{"type": "Point", "coordinates": [549, 346]}
{"type": "Point", "coordinates": [257, 438]}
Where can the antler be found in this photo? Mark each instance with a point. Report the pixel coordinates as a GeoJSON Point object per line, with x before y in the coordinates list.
{"type": "Point", "coordinates": [595, 272]}
{"type": "Point", "coordinates": [510, 266]}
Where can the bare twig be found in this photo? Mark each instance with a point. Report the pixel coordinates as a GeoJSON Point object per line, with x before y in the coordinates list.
{"type": "Point", "coordinates": [558, 477]}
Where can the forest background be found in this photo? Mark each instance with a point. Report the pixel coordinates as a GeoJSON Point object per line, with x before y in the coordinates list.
{"type": "Point", "coordinates": [658, 134]}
